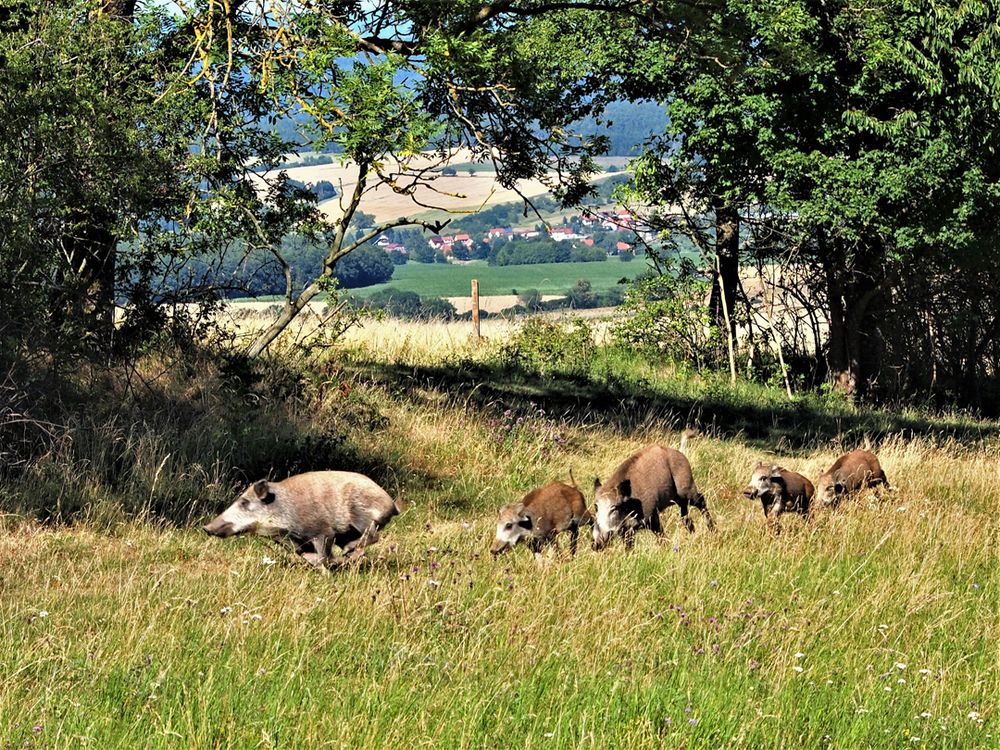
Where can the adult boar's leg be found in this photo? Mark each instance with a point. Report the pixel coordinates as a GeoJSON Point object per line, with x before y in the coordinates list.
{"type": "Point", "coordinates": [574, 532]}
{"type": "Point", "coordinates": [356, 548]}
{"type": "Point", "coordinates": [320, 554]}
{"type": "Point", "coordinates": [701, 505]}
{"type": "Point", "coordinates": [683, 505]}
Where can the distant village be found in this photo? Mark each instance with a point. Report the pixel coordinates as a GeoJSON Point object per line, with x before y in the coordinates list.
{"type": "Point", "coordinates": [578, 229]}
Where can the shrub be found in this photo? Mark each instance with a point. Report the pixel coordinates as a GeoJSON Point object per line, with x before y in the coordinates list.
{"type": "Point", "coordinates": [546, 347]}
{"type": "Point", "coordinates": [664, 315]}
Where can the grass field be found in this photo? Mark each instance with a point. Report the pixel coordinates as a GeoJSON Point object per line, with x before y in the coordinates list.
{"type": "Point", "coordinates": [453, 280]}
{"type": "Point", "coordinates": [872, 626]}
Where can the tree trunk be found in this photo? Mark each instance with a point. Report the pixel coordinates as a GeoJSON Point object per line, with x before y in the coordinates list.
{"type": "Point", "coordinates": [727, 276]}
{"type": "Point", "coordinates": [722, 303]}
{"type": "Point", "coordinates": [91, 253]}
{"type": "Point", "coordinates": [295, 304]}
{"type": "Point", "coordinates": [854, 350]}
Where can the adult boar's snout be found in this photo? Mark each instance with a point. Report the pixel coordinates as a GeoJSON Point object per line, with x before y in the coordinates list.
{"type": "Point", "coordinates": [219, 527]}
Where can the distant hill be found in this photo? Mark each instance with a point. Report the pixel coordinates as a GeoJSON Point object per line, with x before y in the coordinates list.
{"type": "Point", "coordinates": [631, 124]}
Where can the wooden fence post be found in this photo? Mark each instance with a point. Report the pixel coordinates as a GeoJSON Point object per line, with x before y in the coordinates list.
{"type": "Point", "coordinates": [475, 309]}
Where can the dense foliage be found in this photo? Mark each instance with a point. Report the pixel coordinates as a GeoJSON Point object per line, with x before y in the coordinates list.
{"type": "Point", "coordinates": [544, 250]}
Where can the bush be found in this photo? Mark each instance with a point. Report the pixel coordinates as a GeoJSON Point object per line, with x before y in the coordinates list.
{"type": "Point", "coordinates": [363, 267]}
{"type": "Point", "coordinates": [665, 315]}
{"type": "Point", "coordinates": [545, 347]}
{"type": "Point", "coordinates": [408, 305]}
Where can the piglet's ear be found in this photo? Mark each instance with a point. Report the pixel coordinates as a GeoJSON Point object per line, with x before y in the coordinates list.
{"type": "Point", "coordinates": [625, 488]}
{"type": "Point", "coordinates": [597, 483]}
{"type": "Point", "coordinates": [524, 522]}
{"type": "Point", "coordinates": [838, 488]}
{"type": "Point", "coordinates": [261, 489]}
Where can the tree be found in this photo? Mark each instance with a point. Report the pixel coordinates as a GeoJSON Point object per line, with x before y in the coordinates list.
{"type": "Point", "coordinates": [119, 166]}
{"type": "Point", "coordinates": [365, 266]}
{"type": "Point", "coordinates": [855, 141]}
{"type": "Point", "coordinates": [423, 253]}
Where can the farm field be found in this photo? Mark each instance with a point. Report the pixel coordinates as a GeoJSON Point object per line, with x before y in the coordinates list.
{"type": "Point", "coordinates": [462, 192]}
{"type": "Point", "coordinates": [874, 625]}
{"type": "Point", "coordinates": [454, 280]}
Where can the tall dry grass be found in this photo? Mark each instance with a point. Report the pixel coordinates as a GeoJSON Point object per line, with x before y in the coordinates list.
{"type": "Point", "coordinates": [874, 625]}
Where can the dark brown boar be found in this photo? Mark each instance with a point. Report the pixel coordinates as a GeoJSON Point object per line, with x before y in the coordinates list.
{"type": "Point", "coordinates": [540, 516]}
{"type": "Point", "coordinates": [779, 490]}
{"type": "Point", "coordinates": [642, 486]}
{"type": "Point", "coordinates": [849, 474]}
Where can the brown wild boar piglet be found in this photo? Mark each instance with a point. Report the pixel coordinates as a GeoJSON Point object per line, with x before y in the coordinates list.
{"type": "Point", "coordinates": [540, 516]}
{"type": "Point", "coordinates": [314, 511]}
{"type": "Point", "coordinates": [779, 490]}
{"type": "Point", "coordinates": [643, 485]}
{"type": "Point", "coordinates": [850, 473]}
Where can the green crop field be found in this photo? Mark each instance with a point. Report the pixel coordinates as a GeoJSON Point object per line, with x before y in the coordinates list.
{"type": "Point", "coordinates": [451, 280]}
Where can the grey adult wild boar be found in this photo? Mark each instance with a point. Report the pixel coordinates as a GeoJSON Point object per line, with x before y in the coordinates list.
{"type": "Point", "coordinates": [314, 511]}
{"type": "Point", "coordinates": [643, 485]}
{"type": "Point", "coordinates": [850, 473]}
{"type": "Point", "coordinates": [540, 516]}
{"type": "Point", "coordinates": [779, 490]}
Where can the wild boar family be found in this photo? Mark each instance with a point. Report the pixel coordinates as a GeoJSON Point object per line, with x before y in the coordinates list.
{"type": "Point", "coordinates": [317, 511]}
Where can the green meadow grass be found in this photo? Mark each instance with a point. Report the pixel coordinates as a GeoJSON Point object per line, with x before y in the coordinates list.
{"type": "Point", "coordinates": [872, 626]}
{"type": "Point", "coordinates": [454, 280]}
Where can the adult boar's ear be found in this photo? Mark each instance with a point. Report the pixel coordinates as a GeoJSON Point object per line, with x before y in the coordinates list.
{"type": "Point", "coordinates": [625, 489]}
{"type": "Point", "coordinates": [524, 522]}
{"type": "Point", "coordinates": [262, 489]}
{"type": "Point", "coordinates": [774, 472]}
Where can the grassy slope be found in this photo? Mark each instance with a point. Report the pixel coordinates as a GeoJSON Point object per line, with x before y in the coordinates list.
{"type": "Point", "coordinates": [452, 280]}
{"type": "Point", "coordinates": [163, 638]}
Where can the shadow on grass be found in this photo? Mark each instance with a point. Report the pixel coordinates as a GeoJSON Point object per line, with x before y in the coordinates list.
{"type": "Point", "coordinates": [627, 404]}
